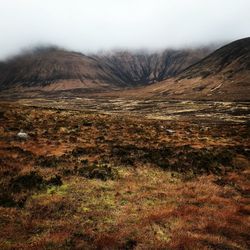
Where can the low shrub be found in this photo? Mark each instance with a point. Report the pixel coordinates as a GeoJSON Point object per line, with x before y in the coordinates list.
{"type": "Point", "coordinates": [78, 151]}
{"type": "Point", "coordinates": [87, 123]}
{"type": "Point", "coordinates": [48, 161]}
{"type": "Point", "coordinates": [29, 181]}
{"type": "Point", "coordinates": [97, 171]}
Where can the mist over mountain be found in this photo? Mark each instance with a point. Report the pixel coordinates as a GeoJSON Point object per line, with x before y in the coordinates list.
{"type": "Point", "coordinates": [91, 26]}
{"type": "Point", "coordinates": [222, 75]}
{"type": "Point", "coordinates": [124, 124]}
{"type": "Point", "coordinates": [202, 73]}
{"type": "Point", "coordinates": [51, 67]}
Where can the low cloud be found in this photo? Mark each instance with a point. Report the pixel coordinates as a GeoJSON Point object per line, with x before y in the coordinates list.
{"type": "Point", "coordinates": [91, 26]}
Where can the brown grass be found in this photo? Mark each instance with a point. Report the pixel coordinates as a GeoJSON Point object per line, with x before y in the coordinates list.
{"type": "Point", "coordinates": [147, 201]}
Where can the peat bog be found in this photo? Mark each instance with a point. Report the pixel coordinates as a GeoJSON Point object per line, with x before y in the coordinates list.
{"type": "Point", "coordinates": [124, 174]}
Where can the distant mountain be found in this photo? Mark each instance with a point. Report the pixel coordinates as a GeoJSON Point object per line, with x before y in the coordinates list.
{"type": "Point", "coordinates": [55, 69]}
{"type": "Point", "coordinates": [222, 75]}
{"type": "Point", "coordinates": [140, 68]}
{"type": "Point", "coordinates": [227, 62]}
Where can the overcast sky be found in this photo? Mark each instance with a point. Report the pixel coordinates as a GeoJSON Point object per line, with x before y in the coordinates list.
{"type": "Point", "coordinates": [94, 25]}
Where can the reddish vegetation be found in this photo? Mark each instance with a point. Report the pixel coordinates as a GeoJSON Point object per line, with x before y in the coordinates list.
{"type": "Point", "coordinates": [95, 181]}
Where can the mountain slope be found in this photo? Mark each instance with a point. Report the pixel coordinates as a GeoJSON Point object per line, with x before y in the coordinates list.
{"type": "Point", "coordinates": [228, 61]}
{"type": "Point", "coordinates": [53, 69]}
{"type": "Point", "coordinates": [140, 68]}
{"type": "Point", "coordinates": [223, 75]}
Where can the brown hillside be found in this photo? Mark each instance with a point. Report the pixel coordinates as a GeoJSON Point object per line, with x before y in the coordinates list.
{"type": "Point", "coordinates": [223, 75]}
{"type": "Point", "coordinates": [53, 69]}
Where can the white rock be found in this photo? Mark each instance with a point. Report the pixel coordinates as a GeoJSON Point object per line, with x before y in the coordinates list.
{"type": "Point", "coordinates": [22, 135]}
{"type": "Point", "coordinates": [170, 131]}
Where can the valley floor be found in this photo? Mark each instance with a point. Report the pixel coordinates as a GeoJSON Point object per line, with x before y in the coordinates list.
{"type": "Point", "coordinates": [133, 175]}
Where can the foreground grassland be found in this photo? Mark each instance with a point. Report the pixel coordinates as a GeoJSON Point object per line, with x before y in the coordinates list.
{"type": "Point", "coordinates": [113, 181]}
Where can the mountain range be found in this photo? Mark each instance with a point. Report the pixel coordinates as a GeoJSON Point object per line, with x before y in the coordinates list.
{"type": "Point", "coordinates": [202, 73]}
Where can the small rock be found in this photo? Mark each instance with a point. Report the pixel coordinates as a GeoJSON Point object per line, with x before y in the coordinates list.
{"type": "Point", "coordinates": [170, 131]}
{"type": "Point", "coordinates": [22, 135]}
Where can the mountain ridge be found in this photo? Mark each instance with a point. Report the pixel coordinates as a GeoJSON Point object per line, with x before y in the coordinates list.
{"type": "Point", "coordinates": [222, 75]}
{"type": "Point", "coordinates": [45, 67]}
